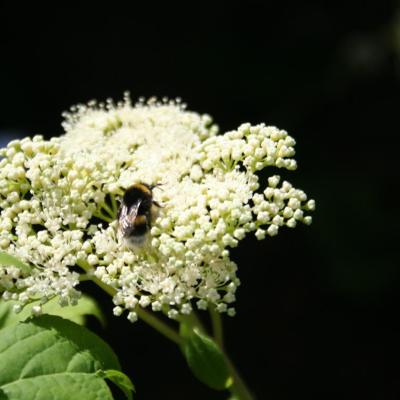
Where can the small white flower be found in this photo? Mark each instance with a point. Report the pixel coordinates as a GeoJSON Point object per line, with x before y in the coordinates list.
{"type": "Point", "coordinates": [93, 259]}
{"type": "Point", "coordinates": [260, 234]}
{"type": "Point", "coordinates": [307, 220]}
{"type": "Point", "coordinates": [117, 311]}
{"type": "Point", "coordinates": [132, 316]}
{"type": "Point", "coordinates": [272, 230]}
{"type": "Point", "coordinates": [173, 314]}
{"type": "Point", "coordinates": [291, 223]}
{"type": "Point", "coordinates": [311, 205]}
{"type": "Point", "coordinates": [36, 310]}
{"type": "Point", "coordinates": [17, 308]}
{"type": "Point", "coordinates": [231, 312]}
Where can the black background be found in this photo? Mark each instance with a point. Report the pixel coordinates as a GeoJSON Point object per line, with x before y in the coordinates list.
{"type": "Point", "coordinates": [318, 306]}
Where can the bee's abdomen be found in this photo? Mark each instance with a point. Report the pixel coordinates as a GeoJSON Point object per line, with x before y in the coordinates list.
{"type": "Point", "coordinates": [140, 226]}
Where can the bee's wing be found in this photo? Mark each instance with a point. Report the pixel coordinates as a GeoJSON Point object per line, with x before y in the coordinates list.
{"type": "Point", "coordinates": [127, 216]}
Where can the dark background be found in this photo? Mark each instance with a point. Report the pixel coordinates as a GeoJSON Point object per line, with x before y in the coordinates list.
{"type": "Point", "coordinates": [318, 308]}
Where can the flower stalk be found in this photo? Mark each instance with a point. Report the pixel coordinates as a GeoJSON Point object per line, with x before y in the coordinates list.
{"type": "Point", "coordinates": [216, 322]}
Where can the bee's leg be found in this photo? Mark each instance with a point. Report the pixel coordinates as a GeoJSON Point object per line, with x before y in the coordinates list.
{"type": "Point", "coordinates": [157, 185]}
{"type": "Point", "coordinates": [156, 203]}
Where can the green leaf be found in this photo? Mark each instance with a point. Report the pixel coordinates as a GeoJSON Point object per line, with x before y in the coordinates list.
{"type": "Point", "coordinates": [49, 357]}
{"type": "Point", "coordinates": [7, 259]}
{"type": "Point", "coordinates": [205, 358]}
{"type": "Point", "coordinates": [121, 380]}
{"type": "Point", "coordinates": [77, 313]}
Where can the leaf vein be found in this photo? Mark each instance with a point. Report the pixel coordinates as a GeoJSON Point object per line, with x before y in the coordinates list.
{"type": "Point", "coordinates": [18, 343]}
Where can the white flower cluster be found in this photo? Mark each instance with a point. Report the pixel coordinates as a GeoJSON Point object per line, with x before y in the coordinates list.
{"type": "Point", "coordinates": [59, 201]}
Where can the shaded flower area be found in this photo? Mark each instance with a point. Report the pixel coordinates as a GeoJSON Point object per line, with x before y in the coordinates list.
{"type": "Point", "coordinates": [59, 200]}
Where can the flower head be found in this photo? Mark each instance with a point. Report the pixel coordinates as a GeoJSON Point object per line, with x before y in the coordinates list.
{"type": "Point", "coordinates": [59, 202]}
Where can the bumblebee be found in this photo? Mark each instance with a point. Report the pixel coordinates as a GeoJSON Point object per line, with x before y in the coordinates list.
{"type": "Point", "coordinates": [136, 214]}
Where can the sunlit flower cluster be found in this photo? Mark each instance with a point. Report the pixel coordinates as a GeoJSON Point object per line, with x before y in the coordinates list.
{"type": "Point", "coordinates": [59, 202]}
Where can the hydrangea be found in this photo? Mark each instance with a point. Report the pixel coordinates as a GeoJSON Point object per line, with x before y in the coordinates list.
{"type": "Point", "coordinates": [59, 200]}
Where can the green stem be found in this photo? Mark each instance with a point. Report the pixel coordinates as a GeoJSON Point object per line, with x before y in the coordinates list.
{"type": "Point", "coordinates": [217, 326]}
{"type": "Point", "coordinates": [158, 325]}
{"type": "Point", "coordinates": [108, 210]}
{"type": "Point", "coordinates": [193, 320]}
{"type": "Point", "coordinates": [84, 277]}
{"type": "Point", "coordinates": [238, 388]}
{"type": "Point", "coordinates": [114, 204]}
{"type": "Point", "coordinates": [103, 217]}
